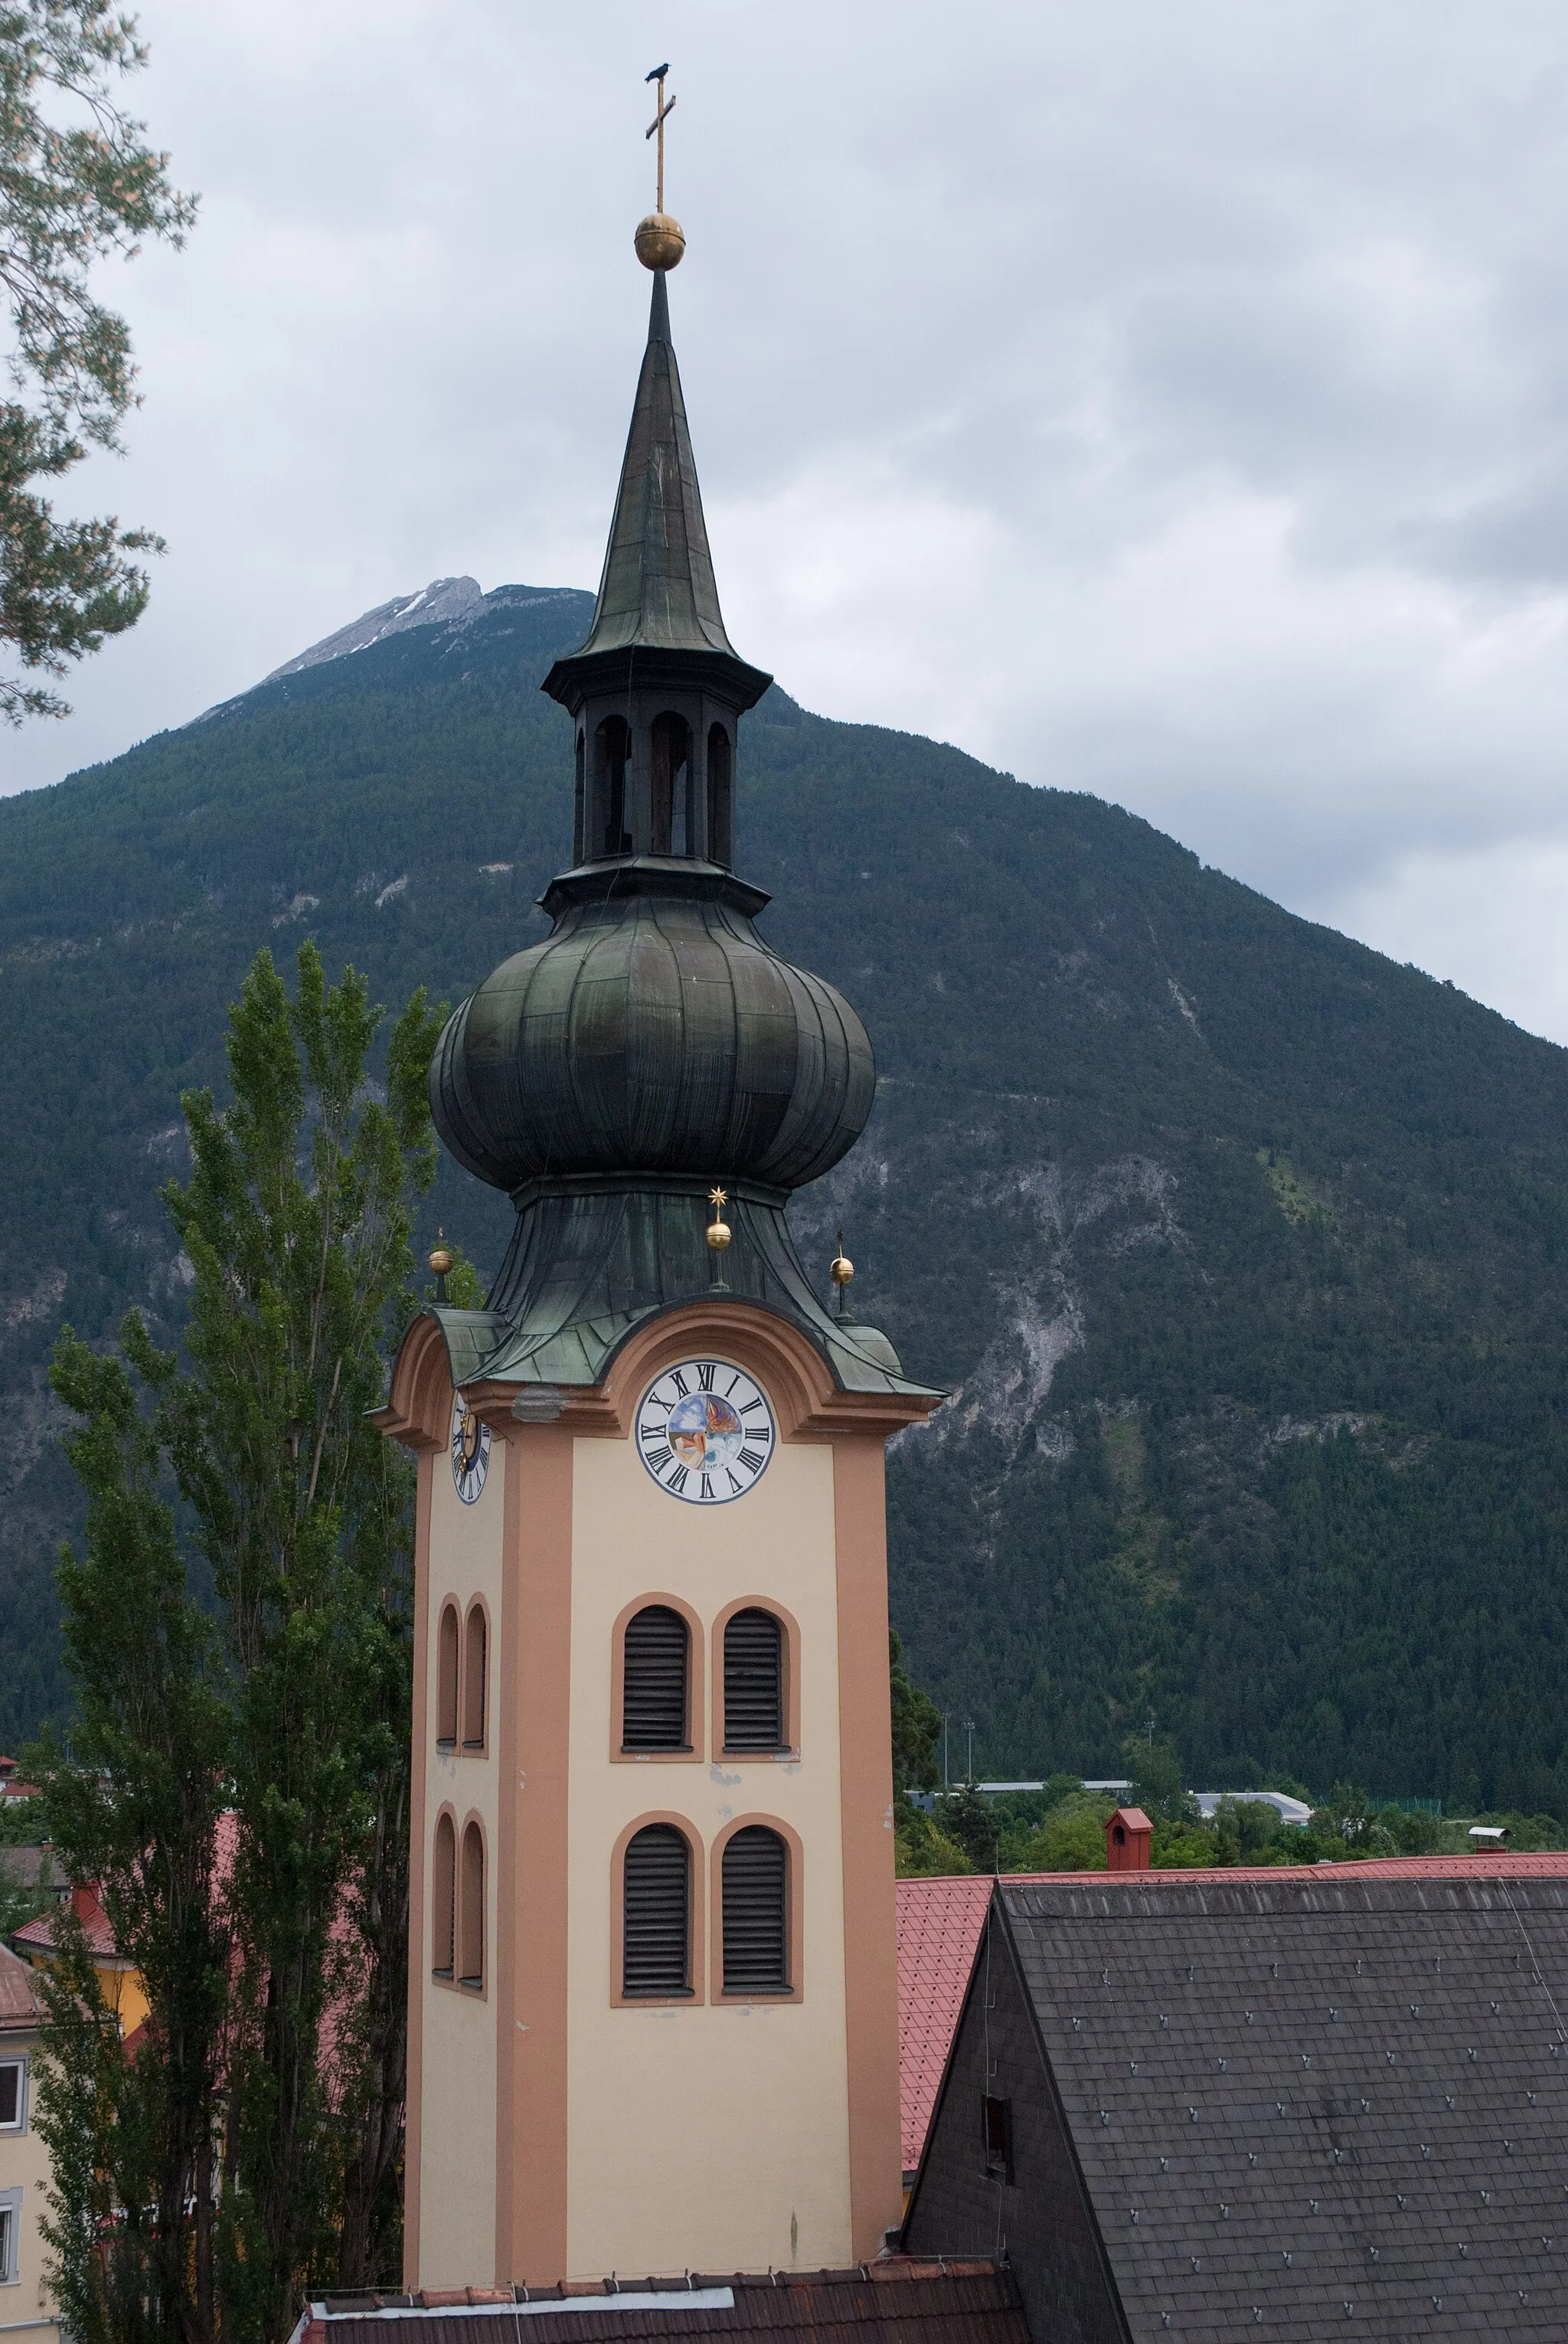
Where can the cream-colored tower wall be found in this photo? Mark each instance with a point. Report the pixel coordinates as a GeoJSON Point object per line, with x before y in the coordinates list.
{"type": "Point", "coordinates": [458, 2180]}
{"type": "Point", "coordinates": [714, 2136]}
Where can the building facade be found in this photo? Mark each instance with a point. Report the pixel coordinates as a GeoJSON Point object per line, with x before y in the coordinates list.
{"type": "Point", "coordinates": [653, 1998]}
{"type": "Point", "coordinates": [25, 2301]}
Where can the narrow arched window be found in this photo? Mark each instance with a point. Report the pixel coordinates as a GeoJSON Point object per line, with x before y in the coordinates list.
{"type": "Point", "coordinates": [444, 1898]}
{"type": "Point", "coordinates": [721, 807]}
{"type": "Point", "coordinates": [447, 1679]}
{"type": "Point", "coordinates": [579, 811]}
{"type": "Point", "coordinates": [656, 1911]}
{"type": "Point", "coordinates": [612, 759]}
{"type": "Point", "coordinates": [656, 1674]}
{"type": "Point", "coordinates": [756, 1891]}
{"type": "Point", "coordinates": [471, 1910]}
{"type": "Point", "coordinates": [754, 1682]}
{"type": "Point", "coordinates": [474, 1657]}
{"type": "Point", "coordinates": [671, 796]}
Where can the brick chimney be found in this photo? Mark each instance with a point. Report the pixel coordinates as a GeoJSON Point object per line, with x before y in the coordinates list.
{"type": "Point", "coordinates": [1127, 1837]}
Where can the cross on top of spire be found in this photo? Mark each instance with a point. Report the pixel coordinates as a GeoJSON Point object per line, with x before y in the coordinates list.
{"type": "Point", "coordinates": [659, 240]}
{"type": "Point", "coordinates": [657, 124]}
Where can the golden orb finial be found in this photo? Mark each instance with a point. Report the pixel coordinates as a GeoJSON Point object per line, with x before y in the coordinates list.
{"type": "Point", "coordinates": [841, 1269]}
{"type": "Point", "coordinates": [660, 241]}
{"type": "Point", "coordinates": [441, 1255]}
{"type": "Point", "coordinates": [718, 1231]}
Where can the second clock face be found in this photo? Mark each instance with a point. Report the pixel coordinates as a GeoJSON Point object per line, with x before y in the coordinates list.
{"type": "Point", "coordinates": [705, 1431]}
{"type": "Point", "coordinates": [470, 1447]}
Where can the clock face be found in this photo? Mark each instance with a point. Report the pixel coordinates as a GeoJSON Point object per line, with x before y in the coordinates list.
{"type": "Point", "coordinates": [705, 1431]}
{"type": "Point", "coordinates": [470, 1450]}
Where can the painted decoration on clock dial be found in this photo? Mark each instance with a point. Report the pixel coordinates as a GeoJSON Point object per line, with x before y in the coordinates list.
{"type": "Point", "coordinates": [470, 1450]}
{"type": "Point", "coordinates": [705, 1431]}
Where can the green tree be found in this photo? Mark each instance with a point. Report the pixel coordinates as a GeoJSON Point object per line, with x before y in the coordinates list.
{"type": "Point", "coordinates": [291, 1708]}
{"type": "Point", "coordinates": [916, 1725]}
{"type": "Point", "coordinates": [78, 184]}
{"type": "Point", "coordinates": [130, 2131]}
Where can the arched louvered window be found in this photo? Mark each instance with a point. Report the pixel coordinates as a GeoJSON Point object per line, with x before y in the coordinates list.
{"type": "Point", "coordinates": [721, 812]}
{"type": "Point", "coordinates": [756, 1891]}
{"type": "Point", "coordinates": [447, 1678]}
{"type": "Point", "coordinates": [444, 1898]}
{"type": "Point", "coordinates": [671, 795]}
{"type": "Point", "coordinates": [655, 1669]}
{"type": "Point", "coordinates": [754, 1682]}
{"type": "Point", "coordinates": [656, 1912]}
{"type": "Point", "coordinates": [471, 1910]}
{"type": "Point", "coordinates": [473, 1655]}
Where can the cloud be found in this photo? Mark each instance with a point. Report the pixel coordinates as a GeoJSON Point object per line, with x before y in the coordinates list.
{"type": "Point", "coordinates": [1170, 403]}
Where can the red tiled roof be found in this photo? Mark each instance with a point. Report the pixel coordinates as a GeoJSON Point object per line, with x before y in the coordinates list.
{"type": "Point", "coordinates": [931, 2301]}
{"type": "Point", "coordinates": [94, 1921]}
{"type": "Point", "coordinates": [939, 1923]}
{"type": "Point", "coordinates": [20, 2004]}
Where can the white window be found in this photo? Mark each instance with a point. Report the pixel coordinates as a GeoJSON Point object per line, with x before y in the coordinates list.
{"type": "Point", "coordinates": [12, 2095]}
{"type": "Point", "coordinates": [10, 2223]}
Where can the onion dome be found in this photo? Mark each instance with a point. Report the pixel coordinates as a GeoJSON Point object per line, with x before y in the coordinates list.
{"type": "Point", "coordinates": [653, 1032]}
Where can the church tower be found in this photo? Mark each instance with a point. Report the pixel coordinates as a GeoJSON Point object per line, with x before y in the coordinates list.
{"type": "Point", "coordinates": [653, 1998]}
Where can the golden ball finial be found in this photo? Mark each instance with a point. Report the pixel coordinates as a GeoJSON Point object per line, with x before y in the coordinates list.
{"type": "Point", "coordinates": [718, 1228]}
{"type": "Point", "coordinates": [660, 241]}
{"type": "Point", "coordinates": [440, 1260]}
{"type": "Point", "coordinates": [840, 1269]}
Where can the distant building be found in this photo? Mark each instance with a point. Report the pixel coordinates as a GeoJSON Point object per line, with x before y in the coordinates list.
{"type": "Point", "coordinates": [1293, 2102]}
{"type": "Point", "coordinates": [119, 1980]}
{"type": "Point", "coordinates": [25, 2301]}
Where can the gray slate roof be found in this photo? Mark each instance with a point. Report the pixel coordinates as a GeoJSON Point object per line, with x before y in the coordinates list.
{"type": "Point", "coordinates": [1333, 2105]}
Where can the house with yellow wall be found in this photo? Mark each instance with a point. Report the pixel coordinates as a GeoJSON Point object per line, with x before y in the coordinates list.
{"type": "Point", "coordinates": [25, 2303]}
{"type": "Point", "coordinates": [119, 1981]}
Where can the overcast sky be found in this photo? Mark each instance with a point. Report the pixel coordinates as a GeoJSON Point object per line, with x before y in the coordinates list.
{"type": "Point", "coordinates": [1171, 402]}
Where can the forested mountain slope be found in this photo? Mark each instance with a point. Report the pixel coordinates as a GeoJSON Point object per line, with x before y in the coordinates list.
{"type": "Point", "coordinates": [1245, 1251]}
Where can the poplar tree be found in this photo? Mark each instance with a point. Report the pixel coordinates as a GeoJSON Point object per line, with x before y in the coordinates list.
{"type": "Point", "coordinates": [295, 1222]}
{"type": "Point", "coordinates": [78, 183]}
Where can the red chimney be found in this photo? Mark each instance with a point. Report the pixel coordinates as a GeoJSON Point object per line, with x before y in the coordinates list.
{"type": "Point", "coordinates": [1127, 1837]}
{"type": "Point", "coordinates": [86, 1903]}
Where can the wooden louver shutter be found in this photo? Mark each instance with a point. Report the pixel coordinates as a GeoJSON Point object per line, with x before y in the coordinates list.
{"type": "Point", "coordinates": [655, 1895]}
{"type": "Point", "coordinates": [754, 1682]}
{"type": "Point", "coordinates": [655, 1661]}
{"type": "Point", "coordinates": [755, 1913]}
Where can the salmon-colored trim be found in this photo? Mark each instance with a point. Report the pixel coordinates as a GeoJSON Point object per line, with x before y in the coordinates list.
{"type": "Point", "coordinates": [448, 1812]}
{"type": "Point", "coordinates": [696, 1646]}
{"type": "Point", "coordinates": [866, 1838]}
{"type": "Point", "coordinates": [794, 1917]}
{"type": "Point", "coordinates": [418, 1901]}
{"type": "Point", "coordinates": [473, 1821]}
{"type": "Point", "coordinates": [531, 2179]}
{"type": "Point", "coordinates": [796, 1376]}
{"type": "Point", "coordinates": [696, 1935]}
{"type": "Point", "coordinates": [503, 1665]}
{"type": "Point", "coordinates": [448, 1605]}
{"type": "Point", "coordinates": [791, 1704]}
{"type": "Point", "coordinates": [481, 1749]}
{"type": "Point", "coordinates": [418, 1410]}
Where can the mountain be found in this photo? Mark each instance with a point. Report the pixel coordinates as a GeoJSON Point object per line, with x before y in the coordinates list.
{"type": "Point", "coordinates": [1244, 1250]}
